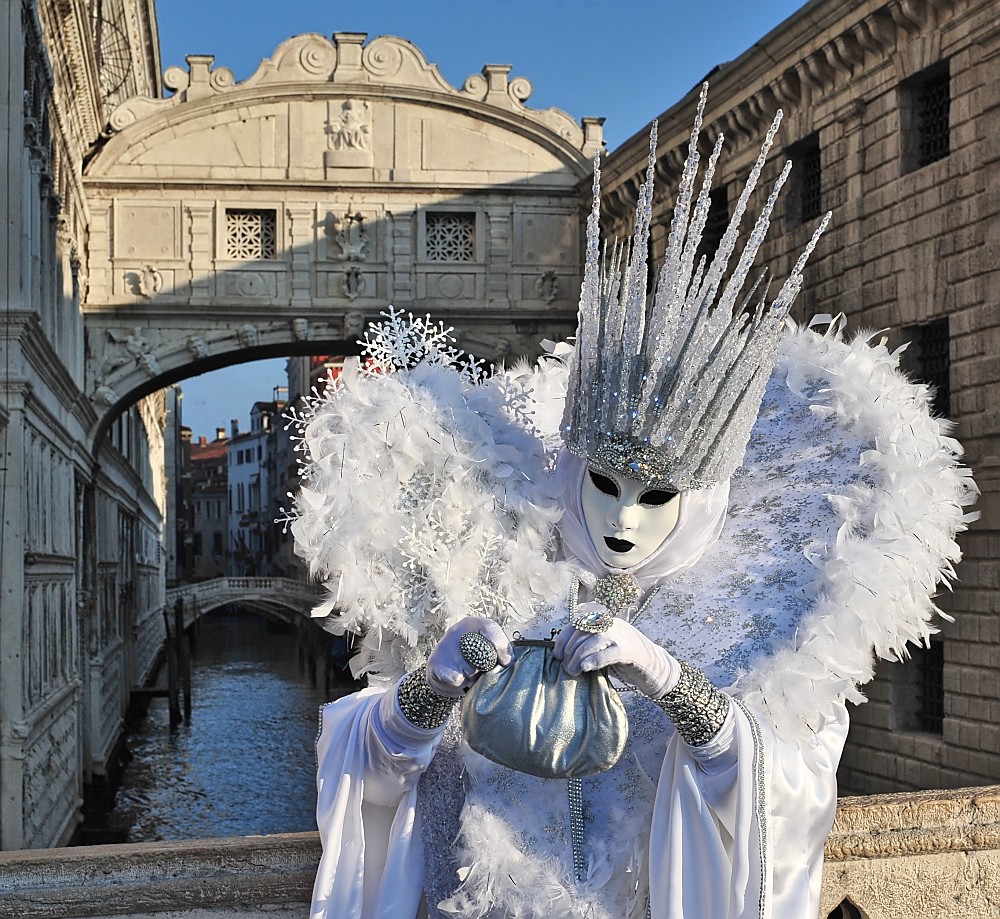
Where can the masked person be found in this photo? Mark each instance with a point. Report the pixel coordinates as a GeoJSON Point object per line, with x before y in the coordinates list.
{"type": "Point", "coordinates": [723, 512]}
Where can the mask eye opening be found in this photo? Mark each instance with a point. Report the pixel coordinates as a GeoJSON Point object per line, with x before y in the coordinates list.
{"type": "Point", "coordinates": [657, 497]}
{"type": "Point", "coordinates": [604, 484]}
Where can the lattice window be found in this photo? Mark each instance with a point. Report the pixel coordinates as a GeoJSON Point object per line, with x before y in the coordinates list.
{"type": "Point", "coordinates": [930, 687]}
{"type": "Point", "coordinates": [807, 162]}
{"type": "Point", "coordinates": [925, 110]}
{"type": "Point", "coordinates": [250, 233]}
{"type": "Point", "coordinates": [933, 108]}
{"type": "Point", "coordinates": [927, 359]}
{"type": "Point", "coordinates": [450, 236]}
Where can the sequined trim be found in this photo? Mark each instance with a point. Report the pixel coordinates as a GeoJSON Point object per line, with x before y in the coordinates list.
{"type": "Point", "coordinates": [636, 459]}
{"type": "Point", "coordinates": [617, 592]}
{"type": "Point", "coordinates": [422, 706]}
{"type": "Point", "coordinates": [695, 706]}
{"type": "Point", "coordinates": [760, 804]}
{"type": "Point", "coordinates": [574, 789]}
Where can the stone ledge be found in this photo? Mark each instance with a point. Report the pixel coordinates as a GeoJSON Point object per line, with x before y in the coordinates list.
{"type": "Point", "coordinates": [938, 851]}
{"type": "Point", "coordinates": [254, 875]}
{"type": "Point", "coordinates": [915, 823]}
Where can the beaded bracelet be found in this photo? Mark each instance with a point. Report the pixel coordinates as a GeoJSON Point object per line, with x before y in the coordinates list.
{"type": "Point", "coordinates": [697, 709]}
{"type": "Point", "coordinates": [422, 706]}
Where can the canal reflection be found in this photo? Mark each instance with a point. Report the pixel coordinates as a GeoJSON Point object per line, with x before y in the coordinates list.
{"type": "Point", "coordinates": [245, 765]}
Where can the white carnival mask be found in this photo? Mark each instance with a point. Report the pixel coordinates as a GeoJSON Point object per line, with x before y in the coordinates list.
{"type": "Point", "coordinates": [627, 520]}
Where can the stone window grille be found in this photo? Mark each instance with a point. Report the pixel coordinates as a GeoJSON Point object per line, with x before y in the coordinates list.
{"type": "Point", "coordinates": [450, 236]}
{"type": "Point", "coordinates": [251, 233]}
{"type": "Point", "coordinates": [926, 122]}
{"type": "Point", "coordinates": [933, 100]}
{"type": "Point", "coordinates": [930, 687]}
{"type": "Point", "coordinates": [807, 161]}
{"type": "Point", "coordinates": [927, 360]}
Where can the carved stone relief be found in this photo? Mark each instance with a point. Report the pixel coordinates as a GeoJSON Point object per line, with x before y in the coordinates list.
{"type": "Point", "coordinates": [349, 130]}
{"type": "Point", "coordinates": [354, 325]}
{"type": "Point", "coordinates": [353, 284]}
{"type": "Point", "coordinates": [127, 348]}
{"type": "Point", "coordinates": [149, 282]}
{"type": "Point", "coordinates": [197, 347]}
{"type": "Point", "coordinates": [450, 285]}
{"type": "Point", "coordinates": [249, 336]}
{"type": "Point", "coordinates": [547, 286]}
{"type": "Point", "coordinates": [350, 234]}
{"type": "Point", "coordinates": [251, 284]}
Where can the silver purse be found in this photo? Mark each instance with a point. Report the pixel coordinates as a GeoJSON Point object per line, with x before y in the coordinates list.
{"type": "Point", "coordinates": [534, 717]}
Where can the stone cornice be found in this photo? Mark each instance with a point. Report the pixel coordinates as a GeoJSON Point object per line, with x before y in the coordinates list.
{"type": "Point", "coordinates": [67, 26]}
{"type": "Point", "coordinates": [824, 42]}
{"type": "Point", "coordinates": [313, 66]}
{"type": "Point", "coordinates": [22, 328]}
{"type": "Point", "coordinates": [399, 189]}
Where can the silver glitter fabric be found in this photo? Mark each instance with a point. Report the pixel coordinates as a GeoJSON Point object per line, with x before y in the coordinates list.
{"type": "Point", "coordinates": [440, 800]}
{"type": "Point", "coordinates": [667, 392]}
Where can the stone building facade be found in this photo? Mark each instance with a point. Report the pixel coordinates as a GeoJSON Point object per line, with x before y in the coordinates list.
{"type": "Point", "coordinates": [892, 118]}
{"type": "Point", "coordinates": [208, 530]}
{"type": "Point", "coordinates": [150, 238]}
{"type": "Point", "coordinates": [80, 557]}
{"type": "Point", "coordinates": [252, 485]}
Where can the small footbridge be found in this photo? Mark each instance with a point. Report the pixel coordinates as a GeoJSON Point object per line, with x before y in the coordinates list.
{"type": "Point", "coordinates": [284, 598]}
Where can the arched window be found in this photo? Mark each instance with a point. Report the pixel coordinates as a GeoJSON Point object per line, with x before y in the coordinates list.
{"type": "Point", "coordinates": [846, 910]}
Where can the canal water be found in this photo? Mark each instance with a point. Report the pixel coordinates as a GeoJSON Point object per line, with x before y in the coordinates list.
{"type": "Point", "coordinates": [245, 764]}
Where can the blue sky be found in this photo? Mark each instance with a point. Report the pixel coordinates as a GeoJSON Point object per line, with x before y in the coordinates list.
{"type": "Point", "coordinates": [625, 61]}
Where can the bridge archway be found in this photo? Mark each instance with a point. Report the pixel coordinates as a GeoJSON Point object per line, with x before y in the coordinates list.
{"type": "Point", "coordinates": [223, 349]}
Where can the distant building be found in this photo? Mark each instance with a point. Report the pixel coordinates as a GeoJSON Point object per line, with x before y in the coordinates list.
{"type": "Point", "coordinates": [209, 527]}
{"type": "Point", "coordinates": [177, 473]}
{"type": "Point", "coordinates": [252, 483]}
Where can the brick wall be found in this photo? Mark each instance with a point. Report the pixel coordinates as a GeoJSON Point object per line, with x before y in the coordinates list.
{"type": "Point", "coordinates": [908, 245]}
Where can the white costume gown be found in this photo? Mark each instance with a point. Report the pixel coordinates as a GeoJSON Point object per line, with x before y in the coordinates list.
{"type": "Point", "coordinates": [840, 524]}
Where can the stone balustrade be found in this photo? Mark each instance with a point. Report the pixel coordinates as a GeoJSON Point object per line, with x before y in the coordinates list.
{"type": "Point", "coordinates": [933, 854]}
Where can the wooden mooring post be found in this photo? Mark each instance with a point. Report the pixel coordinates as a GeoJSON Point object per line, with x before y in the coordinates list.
{"type": "Point", "coordinates": [172, 677]}
{"type": "Point", "coordinates": [178, 666]}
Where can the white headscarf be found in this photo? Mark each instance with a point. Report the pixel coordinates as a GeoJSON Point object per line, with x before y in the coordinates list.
{"type": "Point", "coordinates": [702, 516]}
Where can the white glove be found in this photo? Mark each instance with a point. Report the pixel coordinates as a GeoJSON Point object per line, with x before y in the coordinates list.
{"type": "Point", "coordinates": [448, 672]}
{"type": "Point", "coordinates": [636, 660]}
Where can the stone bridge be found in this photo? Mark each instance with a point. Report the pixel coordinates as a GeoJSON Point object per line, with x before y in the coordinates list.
{"type": "Point", "coordinates": [236, 221]}
{"type": "Point", "coordinates": [283, 597]}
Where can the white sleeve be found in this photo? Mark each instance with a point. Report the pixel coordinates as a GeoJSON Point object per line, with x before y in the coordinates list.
{"type": "Point", "coordinates": [372, 861]}
{"type": "Point", "coordinates": [755, 810]}
{"type": "Point", "coordinates": [396, 751]}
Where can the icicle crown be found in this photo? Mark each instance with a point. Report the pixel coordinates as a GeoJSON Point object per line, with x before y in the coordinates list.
{"type": "Point", "coordinates": [667, 392]}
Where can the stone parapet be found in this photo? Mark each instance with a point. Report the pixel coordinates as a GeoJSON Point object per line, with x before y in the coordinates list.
{"type": "Point", "coordinates": [201, 879]}
{"type": "Point", "coordinates": [931, 854]}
